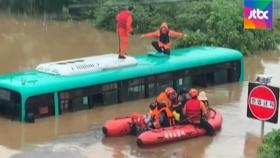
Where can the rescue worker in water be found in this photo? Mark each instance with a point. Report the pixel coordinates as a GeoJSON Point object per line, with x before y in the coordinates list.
{"type": "Point", "coordinates": [163, 33]}
{"type": "Point", "coordinates": [124, 28]}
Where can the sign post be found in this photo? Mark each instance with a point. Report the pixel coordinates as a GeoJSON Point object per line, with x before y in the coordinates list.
{"type": "Point", "coordinates": [262, 103]}
{"type": "Point", "coordinates": [262, 129]}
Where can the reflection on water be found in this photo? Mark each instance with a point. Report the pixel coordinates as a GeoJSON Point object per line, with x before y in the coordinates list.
{"type": "Point", "coordinates": [27, 42]}
{"type": "Point", "coordinates": [260, 64]}
{"type": "Point", "coordinates": [6, 152]}
{"type": "Point", "coordinates": [251, 144]}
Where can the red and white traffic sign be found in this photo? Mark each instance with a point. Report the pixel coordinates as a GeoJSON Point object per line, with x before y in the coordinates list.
{"type": "Point", "coordinates": [262, 102]}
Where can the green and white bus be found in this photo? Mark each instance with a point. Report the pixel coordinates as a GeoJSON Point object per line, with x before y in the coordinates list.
{"type": "Point", "coordinates": [71, 85]}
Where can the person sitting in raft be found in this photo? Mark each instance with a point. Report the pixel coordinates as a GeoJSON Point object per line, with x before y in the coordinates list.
{"type": "Point", "coordinates": [183, 96]}
{"type": "Point", "coordinates": [140, 123]}
{"type": "Point", "coordinates": [178, 108]}
{"type": "Point", "coordinates": [163, 33]}
{"type": "Point", "coordinates": [153, 112]}
{"type": "Point", "coordinates": [169, 96]}
{"type": "Point", "coordinates": [196, 112]}
{"type": "Point", "coordinates": [163, 117]}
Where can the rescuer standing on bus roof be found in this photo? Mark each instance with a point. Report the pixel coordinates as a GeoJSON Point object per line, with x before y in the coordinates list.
{"type": "Point", "coordinates": [124, 28]}
{"type": "Point", "coordinates": [163, 33]}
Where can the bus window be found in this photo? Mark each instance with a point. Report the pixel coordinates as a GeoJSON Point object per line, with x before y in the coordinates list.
{"type": "Point", "coordinates": [136, 89]}
{"type": "Point", "coordinates": [151, 86]}
{"type": "Point", "coordinates": [220, 77]}
{"type": "Point", "coordinates": [223, 73]}
{"type": "Point", "coordinates": [199, 80]}
{"type": "Point", "coordinates": [72, 100]}
{"type": "Point", "coordinates": [133, 89]}
{"type": "Point", "coordinates": [79, 103]}
{"type": "Point", "coordinates": [40, 105]}
{"type": "Point", "coordinates": [183, 80]}
{"type": "Point", "coordinates": [234, 71]}
{"type": "Point", "coordinates": [92, 96]}
{"type": "Point", "coordinates": [87, 97]}
{"type": "Point", "coordinates": [10, 102]}
{"type": "Point", "coordinates": [110, 93]}
{"type": "Point", "coordinates": [64, 102]}
{"type": "Point", "coordinates": [216, 74]}
{"type": "Point", "coordinates": [164, 81]}
{"type": "Point", "coordinates": [210, 78]}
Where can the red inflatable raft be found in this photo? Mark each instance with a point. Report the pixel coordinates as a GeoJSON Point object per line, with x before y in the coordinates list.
{"type": "Point", "coordinates": [179, 132]}
{"type": "Point", "coordinates": [121, 126]}
{"type": "Point", "coordinates": [117, 127]}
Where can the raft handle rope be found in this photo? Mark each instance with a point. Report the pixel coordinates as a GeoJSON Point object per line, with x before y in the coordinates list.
{"type": "Point", "coordinates": [211, 109]}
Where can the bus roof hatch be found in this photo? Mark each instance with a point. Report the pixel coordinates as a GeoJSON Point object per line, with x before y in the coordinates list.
{"type": "Point", "coordinates": [86, 64]}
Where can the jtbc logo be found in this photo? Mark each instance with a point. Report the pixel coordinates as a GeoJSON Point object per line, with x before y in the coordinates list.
{"type": "Point", "coordinates": [258, 14]}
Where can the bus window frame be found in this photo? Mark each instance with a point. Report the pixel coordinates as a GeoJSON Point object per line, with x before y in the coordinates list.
{"type": "Point", "coordinates": [13, 108]}
{"type": "Point", "coordinates": [133, 83]}
{"type": "Point", "coordinates": [51, 106]}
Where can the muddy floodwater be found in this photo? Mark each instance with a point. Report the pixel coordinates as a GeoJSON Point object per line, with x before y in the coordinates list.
{"type": "Point", "coordinates": [25, 42]}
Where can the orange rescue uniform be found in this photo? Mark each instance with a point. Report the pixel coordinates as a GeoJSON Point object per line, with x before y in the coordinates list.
{"type": "Point", "coordinates": [156, 115]}
{"type": "Point", "coordinates": [164, 98]}
{"type": "Point", "coordinates": [124, 27]}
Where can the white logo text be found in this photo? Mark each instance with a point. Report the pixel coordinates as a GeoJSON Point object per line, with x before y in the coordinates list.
{"type": "Point", "coordinates": [258, 14]}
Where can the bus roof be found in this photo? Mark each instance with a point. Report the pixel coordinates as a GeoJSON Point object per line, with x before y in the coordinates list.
{"type": "Point", "coordinates": [33, 82]}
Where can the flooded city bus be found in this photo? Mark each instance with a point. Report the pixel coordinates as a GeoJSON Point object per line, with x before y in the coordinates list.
{"type": "Point", "coordinates": [65, 86]}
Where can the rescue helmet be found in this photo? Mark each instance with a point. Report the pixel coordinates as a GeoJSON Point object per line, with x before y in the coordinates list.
{"type": "Point", "coordinates": [169, 90]}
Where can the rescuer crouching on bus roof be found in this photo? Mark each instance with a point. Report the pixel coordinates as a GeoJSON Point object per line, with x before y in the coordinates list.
{"type": "Point", "coordinates": [196, 112]}
{"type": "Point", "coordinates": [163, 33]}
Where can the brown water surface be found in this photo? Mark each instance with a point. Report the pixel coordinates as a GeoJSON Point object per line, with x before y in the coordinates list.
{"type": "Point", "coordinates": [25, 42]}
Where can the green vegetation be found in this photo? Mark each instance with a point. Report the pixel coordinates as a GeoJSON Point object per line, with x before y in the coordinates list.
{"type": "Point", "coordinates": [215, 22]}
{"type": "Point", "coordinates": [270, 147]}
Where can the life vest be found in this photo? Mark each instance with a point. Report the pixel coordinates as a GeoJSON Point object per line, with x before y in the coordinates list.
{"type": "Point", "coordinates": [122, 18]}
{"type": "Point", "coordinates": [164, 38]}
{"type": "Point", "coordinates": [163, 98]}
{"type": "Point", "coordinates": [193, 111]}
{"type": "Point", "coordinates": [168, 113]}
{"type": "Point", "coordinates": [154, 112]}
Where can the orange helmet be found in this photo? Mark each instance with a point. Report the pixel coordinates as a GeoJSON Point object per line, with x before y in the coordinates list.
{"type": "Point", "coordinates": [193, 92]}
{"type": "Point", "coordinates": [169, 90]}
